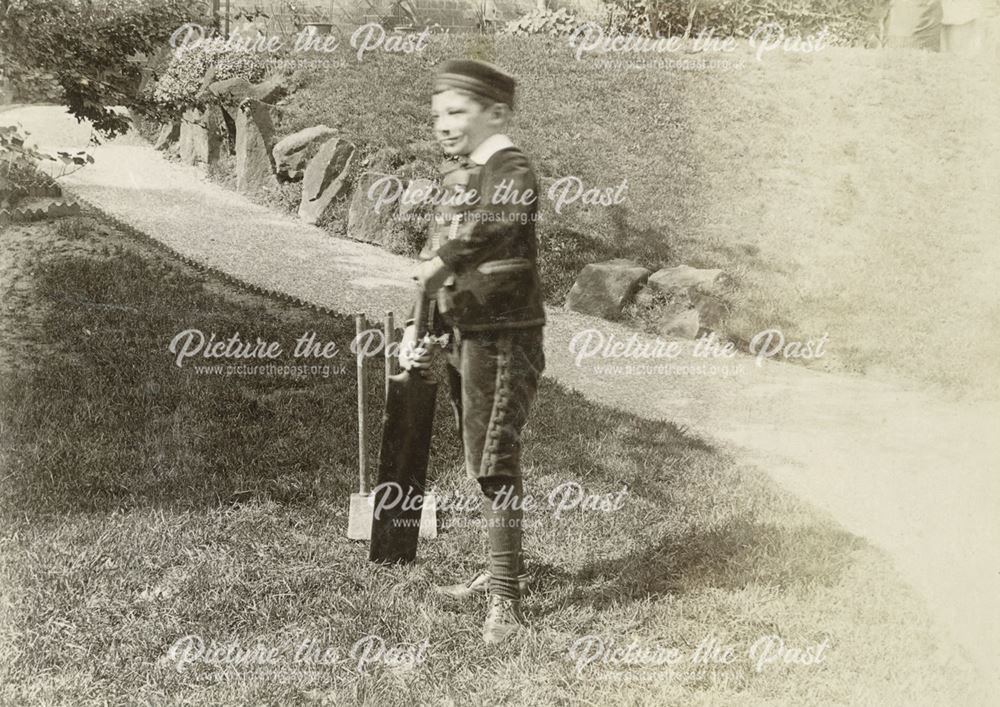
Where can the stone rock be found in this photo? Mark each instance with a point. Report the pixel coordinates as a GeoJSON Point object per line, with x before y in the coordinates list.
{"type": "Point", "coordinates": [168, 135]}
{"type": "Point", "coordinates": [293, 152]}
{"type": "Point", "coordinates": [229, 121]}
{"type": "Point", "coordinates": [364, 223]}
{"type": "Point", "coordinates": [683, 323]}
{"type": "Point", "coordinates": [254, 140]}
{"type": "Point", "coordinates": [326, 177]}
{"type": "Point", "coordinates": [693, 305]}
{"type": "Point", "coordinates": [603, 289]}
{"type": "Point", "coordinates": [232, 90]}
{"type": "Point", "coordinates": [683, 277]}
{"type": "Point", "coordinates": [271, 89]}
{"type": "Point", "coordinates": [645, 298]}
{"type": "Point", "coordinates": [203, 94]}
{"type": "Point", "coordinates": [199, 138]}
{"type": "Point", "coordinates": [712, 310]}
{"type": "Point", "coordinates": [238, 89]}
{"type": "Point", "coordinates": [416, 192]}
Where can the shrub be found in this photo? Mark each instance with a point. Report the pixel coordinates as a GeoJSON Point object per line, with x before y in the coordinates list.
{"type": "Point", "coordinates": [182, 82]}
{"type": "Point", "coordinates": [848, 21]}
{"type": "Point", "coordinates": [19, 160]}
{"type": "Point", "coordinates": [628, 17]}
{"type": "Point", "coordinates": [555, 23]}
{"type": "Point", "coordinates": [34, 85]}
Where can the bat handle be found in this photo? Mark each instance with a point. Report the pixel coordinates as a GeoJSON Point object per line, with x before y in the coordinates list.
{"type": "Point", "coordinates": [420, 314]}
{"type": "Point", "coordinates": [363, 481]}
{"type": "Point", "coordinates": [389, 335]}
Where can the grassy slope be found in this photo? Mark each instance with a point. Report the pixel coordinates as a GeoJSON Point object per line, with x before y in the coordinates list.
{"type": "Point", "coordinates": [116, 544]}
{"type": "Point", "coordinates": [871, 182]}
{"type": "Point", "coordinates": [848, 192]}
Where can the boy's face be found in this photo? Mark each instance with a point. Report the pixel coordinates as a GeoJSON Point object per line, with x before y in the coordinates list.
{"type": "Point", "coordinates": [460, 123]}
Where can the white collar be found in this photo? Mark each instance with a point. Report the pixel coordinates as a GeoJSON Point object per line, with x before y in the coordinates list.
{"type": "Point", "coordinates": [488, 147]}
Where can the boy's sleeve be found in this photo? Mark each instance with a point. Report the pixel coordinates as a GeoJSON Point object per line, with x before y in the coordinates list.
{"type": "Point", "coordinates": [488, 227]}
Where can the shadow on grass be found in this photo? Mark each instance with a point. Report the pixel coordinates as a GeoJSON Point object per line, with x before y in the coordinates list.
{"type": "Point", "coordinates": [731, 557]}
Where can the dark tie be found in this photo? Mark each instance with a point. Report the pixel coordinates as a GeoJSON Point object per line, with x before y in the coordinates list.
{"type": "Point", "coordinates": [451, 164]}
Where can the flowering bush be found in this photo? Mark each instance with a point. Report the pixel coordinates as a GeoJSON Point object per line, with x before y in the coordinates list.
{"type": "Point", "coordinates": [556, 23]}
{"type": "Point", "coordinates": [181, 84]}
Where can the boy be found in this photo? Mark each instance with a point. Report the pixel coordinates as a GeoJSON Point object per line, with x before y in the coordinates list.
{"type": "Point", "coordinates": [480, 264]}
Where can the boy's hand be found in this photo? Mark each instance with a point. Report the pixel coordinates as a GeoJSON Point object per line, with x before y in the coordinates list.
{"type": "Point", "coordinates": [431, 274]}
{"type": "Point", "coordinates": [413, 354]}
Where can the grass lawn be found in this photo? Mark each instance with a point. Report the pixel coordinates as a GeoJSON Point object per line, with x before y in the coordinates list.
{"type": "Point", "coordinates": [143, 503]}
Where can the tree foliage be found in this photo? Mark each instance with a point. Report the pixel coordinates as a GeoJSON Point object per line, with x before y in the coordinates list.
{"type": "Point", "coordinates": [95, 50]}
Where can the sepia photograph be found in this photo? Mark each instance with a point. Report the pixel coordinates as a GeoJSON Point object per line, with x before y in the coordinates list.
{"type": "Point", "coordinates": [500, 352]}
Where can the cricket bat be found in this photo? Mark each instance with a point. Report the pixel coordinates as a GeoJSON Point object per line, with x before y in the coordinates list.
{"type": "Point", "coordinates": [402, 462]}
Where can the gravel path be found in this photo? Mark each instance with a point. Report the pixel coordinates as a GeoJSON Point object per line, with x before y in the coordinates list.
{"type": "Point", "coordinates": [915, 475]}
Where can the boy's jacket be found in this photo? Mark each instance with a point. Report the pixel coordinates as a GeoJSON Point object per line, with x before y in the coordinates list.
{"type": "Point", "coordinates": [489, 245]}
